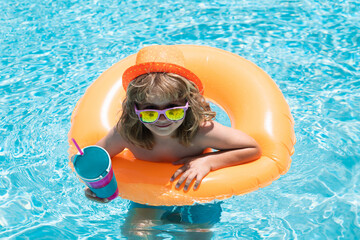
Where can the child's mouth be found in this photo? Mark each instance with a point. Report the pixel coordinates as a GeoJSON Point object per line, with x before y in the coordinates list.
{"type": "Point", "coordinates": [163, 126]}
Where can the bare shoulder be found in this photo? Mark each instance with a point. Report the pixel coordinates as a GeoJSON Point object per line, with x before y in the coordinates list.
{"type": "Point", "coordinates": [215, 129]}
{"type": "Point", "coordinates": [209, 127]}
{"type": "Point", "coordinates": [215, 135]}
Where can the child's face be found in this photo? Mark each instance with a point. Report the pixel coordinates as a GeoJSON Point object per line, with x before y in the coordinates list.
{"type": "Point", "coordinates": [162, 127]}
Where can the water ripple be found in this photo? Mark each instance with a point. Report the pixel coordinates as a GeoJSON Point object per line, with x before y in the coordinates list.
{"type": "Point", "coordinates": [51, 51]}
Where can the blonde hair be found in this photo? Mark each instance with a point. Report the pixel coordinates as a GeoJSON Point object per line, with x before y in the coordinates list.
{"type": "Point", "coordinates": [168, 86]}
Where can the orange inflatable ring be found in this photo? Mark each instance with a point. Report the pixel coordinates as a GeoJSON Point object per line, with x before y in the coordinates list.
{"type": "Point", "coordinates": [249, 96]}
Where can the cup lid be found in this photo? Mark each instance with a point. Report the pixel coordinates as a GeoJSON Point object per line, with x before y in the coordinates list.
{"type": "Point", "coordinates": [93, 165]}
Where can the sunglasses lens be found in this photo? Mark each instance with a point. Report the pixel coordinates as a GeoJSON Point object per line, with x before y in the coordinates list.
{"type": "Point", "coordinates": [148, 116]}
{"type": "Point", "coordinates": [175, 114]}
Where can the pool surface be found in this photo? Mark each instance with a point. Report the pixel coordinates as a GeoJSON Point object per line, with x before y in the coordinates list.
{"type": "Point", "coordinates": [51, 51]}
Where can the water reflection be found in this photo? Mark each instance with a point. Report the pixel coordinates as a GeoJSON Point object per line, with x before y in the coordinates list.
{"type": "Point", "coordinates": [177, 222]}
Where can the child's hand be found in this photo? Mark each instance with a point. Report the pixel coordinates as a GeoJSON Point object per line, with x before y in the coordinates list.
{"type": "Point", "coordinates": [194, 168]}
{"type": "Point", "coordinates": [92, 196]}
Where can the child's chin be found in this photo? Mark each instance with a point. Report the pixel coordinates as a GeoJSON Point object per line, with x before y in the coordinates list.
{"type": "Point", "coordinates": [163, 132]}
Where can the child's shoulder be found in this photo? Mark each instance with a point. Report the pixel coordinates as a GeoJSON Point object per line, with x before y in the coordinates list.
{"type": "Point", "coordinates": [211, 129]}
{"type": "Point", "coordinates": [212, 134]}
{"type": "Point", "coordinates": [215, 135]}
{"type": "Point", "coordinates": [214, 131]}
{"type": "Point", "coordinates": [210, 126]}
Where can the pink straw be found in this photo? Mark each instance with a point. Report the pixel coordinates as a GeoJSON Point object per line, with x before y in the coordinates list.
{"type": "Point", "coordinates": [77, 146]}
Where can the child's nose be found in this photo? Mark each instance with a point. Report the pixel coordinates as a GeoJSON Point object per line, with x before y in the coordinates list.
{"type": "Point", "coordinates": [162, 117]}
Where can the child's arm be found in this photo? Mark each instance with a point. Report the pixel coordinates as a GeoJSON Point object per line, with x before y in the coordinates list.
{"type": "Point", "coordinates": [235, 147]}
{"type": "Point", "coordinates": [113, 143]}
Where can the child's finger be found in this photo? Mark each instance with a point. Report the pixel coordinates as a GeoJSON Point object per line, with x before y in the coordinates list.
{"type": "Point", "coordinates": [92, 196]}
{"type": "Point", "coordinates": [181, 161]}
{"type": "Point", "coordinates": [198, 181]}
{"type": "Point", "coordinates": [182, 179]}
{"type": "Point", "coordinates": [177, 173]}
{"type": "Point", "coordinates": [189, 180]}
{"type": "Point", "coordinates": [90, 193]}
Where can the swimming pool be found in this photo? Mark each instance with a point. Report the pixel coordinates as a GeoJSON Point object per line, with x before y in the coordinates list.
{"type": "Point", "coordinates": [52, 51]}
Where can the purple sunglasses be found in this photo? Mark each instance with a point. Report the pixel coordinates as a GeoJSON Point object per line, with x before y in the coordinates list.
{"type": "Point", "coordinates": [152, 115]}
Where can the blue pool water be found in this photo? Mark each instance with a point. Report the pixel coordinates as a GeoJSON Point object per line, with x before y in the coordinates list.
{"type": "Point", "coordinates": [51, 51]}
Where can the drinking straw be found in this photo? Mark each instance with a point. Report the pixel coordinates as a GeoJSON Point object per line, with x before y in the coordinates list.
{"type": "Point", "coordinates": [77, 146]}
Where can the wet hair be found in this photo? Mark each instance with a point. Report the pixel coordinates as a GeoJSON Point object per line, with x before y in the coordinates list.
{"type": "Point", "coordinates": [169, 87]}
